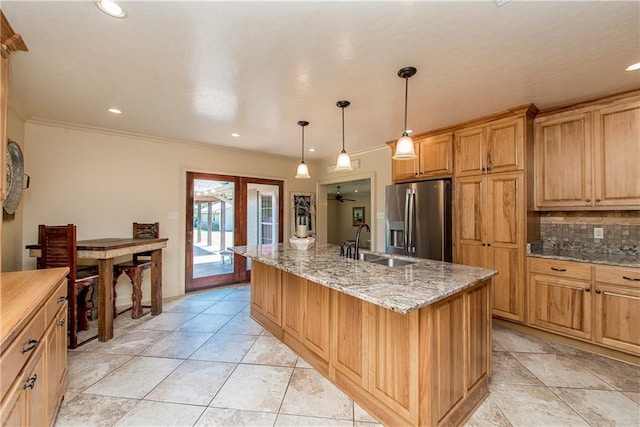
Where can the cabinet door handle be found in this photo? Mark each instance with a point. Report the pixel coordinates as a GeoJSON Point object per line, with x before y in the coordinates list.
{"type": "Point", "coordinates": [61, 299]}
{"type": "Point", "coordinates": [598, 291]}
{"type": "Point", "coordinates": [61, 323]}
{"type": "Point", "coordinates": [488, 244]}
{"type": "Point", "coordinates": [633, 279]}
{"type": "Point", "coordinates": [31, 382]}
{"type": "Point", "coordinates": [484, 244]}
{"type": "Point", "coordinates": [31, 344]}
{"type": "Point", "coordinates": [588, 200]}
{"type": "Point", "coordinates": [597, 200]}
{"type": "Point", "coordinates": [587, 289]}
{"type": "Point", "coordinates": [484, 169]}
{"type": "Point", "coordinates": [558, 269]}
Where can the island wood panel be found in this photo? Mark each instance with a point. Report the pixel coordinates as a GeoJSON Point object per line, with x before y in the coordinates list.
{"type": "Point", "coordinates": [400, 367]}
{"type": "Point", "coordinates": [449, 354]}
{"type": "Point", "coordinates": [315, 325]}
{"type": "Point", "coordinates": [478, 312]}
{"type": "Point", "coordinates": [455, 349]}
{"type": "Point", "coordinates": [349, 338]}
{"type": "Point", "coordinates": [266, 297]}
{"type": "Point", "coordinates": [393, 363]}
{"type": "Point", "coordinates": [617, 151]}
{"type": "Point", "coordinates": [292, 288]}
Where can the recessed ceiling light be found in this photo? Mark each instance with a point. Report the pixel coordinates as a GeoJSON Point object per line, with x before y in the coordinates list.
{"type": "Point", "coordinates": [501, 2]}
{"type": "Point", "coordinates": [111, 8]}
{"type": "Point", "coordinates": [235, 135]}
{"type": "Point", "coordinates": [114, 111]}
{"type": "Point", "coordinates": [313, 150]}
{"type": "Point", "coordinates": [633, 67]}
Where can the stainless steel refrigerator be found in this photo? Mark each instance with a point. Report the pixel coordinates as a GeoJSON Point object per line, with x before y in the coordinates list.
{"type": "Point", "coordinates": [418, 219]}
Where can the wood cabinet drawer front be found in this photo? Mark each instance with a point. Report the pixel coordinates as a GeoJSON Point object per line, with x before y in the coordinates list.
{"type": "Point", "coordinates": [56, 301]}
{"type": "Point", "coordinates": [618, 276]}
{"type": "Point", "coordinates": [574, 270]}
{"type": "Point", "coordinates": [19, 351]}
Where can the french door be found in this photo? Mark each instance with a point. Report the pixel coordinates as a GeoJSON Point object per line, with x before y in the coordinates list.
{"type": "Point", "coordinates": [225, 211]}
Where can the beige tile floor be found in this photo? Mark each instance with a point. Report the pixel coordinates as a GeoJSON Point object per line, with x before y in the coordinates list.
{"type": "Point", "coordinates": [204, 362]}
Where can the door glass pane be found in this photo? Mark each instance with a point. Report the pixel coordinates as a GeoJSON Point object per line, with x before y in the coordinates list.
{"type": "Point", "coordinates": [213, 213]}
{"type": "Point", "coordinates": [262, 215]}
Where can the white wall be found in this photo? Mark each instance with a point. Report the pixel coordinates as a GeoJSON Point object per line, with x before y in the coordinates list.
{"type": "Point", "coordinates": [375, 165]}
{"type": "Point", "coordinates": [12, 226]}
{"type": "Point", "coordinates": [103, 181]}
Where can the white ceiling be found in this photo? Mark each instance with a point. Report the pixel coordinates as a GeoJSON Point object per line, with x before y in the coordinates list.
{"type": "Point", "coordinates": [198, 71]}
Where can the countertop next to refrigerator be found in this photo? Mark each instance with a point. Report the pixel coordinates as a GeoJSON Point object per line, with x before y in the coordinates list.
{"type": "Point", "coordinates": [401, 289]}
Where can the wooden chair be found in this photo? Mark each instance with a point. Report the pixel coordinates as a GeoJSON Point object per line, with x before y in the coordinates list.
{"type": "Point", "coordinates": [58, 246]}
{"type": "Point", "coordinates": [135, 267]}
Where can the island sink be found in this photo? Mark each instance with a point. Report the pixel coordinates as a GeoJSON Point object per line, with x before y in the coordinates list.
{"type": "Point", "coordinates": [391, 262]}
{"type": "Point", "coordinates": [383, 260]}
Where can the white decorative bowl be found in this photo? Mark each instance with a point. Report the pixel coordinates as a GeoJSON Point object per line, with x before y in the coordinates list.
{"type": "Point", "coordinates": [302, 243]}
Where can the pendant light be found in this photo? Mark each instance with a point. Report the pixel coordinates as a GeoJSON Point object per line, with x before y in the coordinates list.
{"type": "Point", "coordinates": [344, 161]}
{"type": "Point", "coordinates": [404, 146]}
{"type": "Point", "coordinates": [303, 169]}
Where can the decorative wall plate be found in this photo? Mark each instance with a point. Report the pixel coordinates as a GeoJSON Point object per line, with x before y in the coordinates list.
{"type": "Point", "coordinates": [15, 177]}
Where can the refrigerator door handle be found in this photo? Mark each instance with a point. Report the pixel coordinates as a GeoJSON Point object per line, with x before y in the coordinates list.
{"type": "Point", "coordinates": [412, 217]}
{"type": "Point", "coordinates": [407, 218]}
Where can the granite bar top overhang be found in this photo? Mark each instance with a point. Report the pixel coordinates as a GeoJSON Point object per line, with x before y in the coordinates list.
{"type": "Point", "coordinates": [401, 289]}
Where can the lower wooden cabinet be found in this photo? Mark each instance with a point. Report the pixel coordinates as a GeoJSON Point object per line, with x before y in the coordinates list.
{"type": "Point", "coordinates": [617, 308]}
{"type": "Point", "coordinates": [306, 313]}
{"type": "Point", "coordinates": [427, 367]}
{"type": "Point", "coordinates": [591, 302]}
{"type": "Point", "coordinates": [34, 346]}
{"type": "Point", "coordinates": [560, 305]}
{"type": "Point", "coordinates": [266, 292]}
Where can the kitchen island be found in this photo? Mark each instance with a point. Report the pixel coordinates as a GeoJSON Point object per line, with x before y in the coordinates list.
{"type": "Point", "coordinates": [411, 344]}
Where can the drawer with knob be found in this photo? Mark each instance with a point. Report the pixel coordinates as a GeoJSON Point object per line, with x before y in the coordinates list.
{"type": "Point", "coordinates": [14, 359]}
{"type": "Point", "coordinates": [568, 269]}
{"type": "Point", "coordinates": [617, 276]}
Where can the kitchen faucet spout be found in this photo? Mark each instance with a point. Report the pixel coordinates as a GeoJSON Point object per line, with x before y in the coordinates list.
{"type": "Point", "coordinates": [356, 251]}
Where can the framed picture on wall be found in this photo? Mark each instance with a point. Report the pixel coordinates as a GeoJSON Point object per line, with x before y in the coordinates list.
{"type": "Point", "coordinates": [358, 215]}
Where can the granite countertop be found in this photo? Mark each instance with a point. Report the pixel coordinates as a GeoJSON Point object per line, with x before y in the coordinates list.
{"type": "Point", "coordinates": [401, 289]}
{"type": "Point", "coordinates": [622, 260]}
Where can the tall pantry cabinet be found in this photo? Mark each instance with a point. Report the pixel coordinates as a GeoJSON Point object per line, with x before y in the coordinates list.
{"type": "Point", "coordinates": [492, 158]}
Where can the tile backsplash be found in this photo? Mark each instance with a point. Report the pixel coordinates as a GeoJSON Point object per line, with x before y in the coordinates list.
{"type": "Point", "coordinates": [574, 231]}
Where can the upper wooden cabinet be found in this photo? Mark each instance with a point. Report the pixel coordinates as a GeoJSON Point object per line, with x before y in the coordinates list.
{"type": "Point", "coordinates": [497, 146]}
{"type": "Point", "coordinates": [11, 42]}
{"type": "Point", "coordinates": [587, 158]}
{"type": "Point", "coordinates": [435, 159]}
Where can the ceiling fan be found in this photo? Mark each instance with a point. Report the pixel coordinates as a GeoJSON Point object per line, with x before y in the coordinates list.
{"type": "Point", "coordinates": [341, 199]}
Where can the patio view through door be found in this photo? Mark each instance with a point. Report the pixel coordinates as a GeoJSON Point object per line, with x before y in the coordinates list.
{"type": "Point", "coordinates": [224, 211]}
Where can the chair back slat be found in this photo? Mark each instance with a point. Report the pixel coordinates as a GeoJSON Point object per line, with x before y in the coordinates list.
{"type": "Point", "coordinates": [58, 246]}
{"type": "Point", "coordinates": [146, 230]}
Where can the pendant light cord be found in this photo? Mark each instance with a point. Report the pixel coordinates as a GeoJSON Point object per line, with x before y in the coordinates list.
{"type": "Point", "coordinates": [406, 98]}
{"type": "Point", "coordinates": [343, 150]}
{"type": "Point", "coordinates": [302, 143]}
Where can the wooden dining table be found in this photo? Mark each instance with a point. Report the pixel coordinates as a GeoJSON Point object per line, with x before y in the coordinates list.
{"type": "Point", "coordinates": [105, 250]}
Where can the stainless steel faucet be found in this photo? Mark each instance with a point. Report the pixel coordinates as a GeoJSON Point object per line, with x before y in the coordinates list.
{"type": "Point", "coordinates": [356, 251]}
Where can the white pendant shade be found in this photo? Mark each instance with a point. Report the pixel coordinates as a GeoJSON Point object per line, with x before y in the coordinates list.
{"type": "Point", "coordinates": [344, 162]}
{"type": "Point", "coordinates": [404, 149]}
{"type": "Point", "coordinates": [303, 171]}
